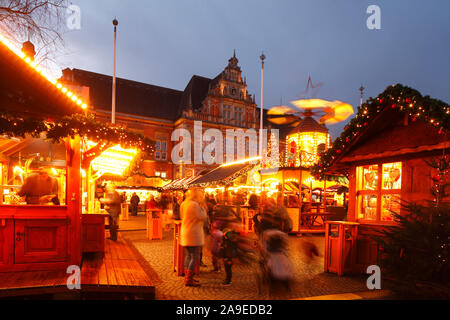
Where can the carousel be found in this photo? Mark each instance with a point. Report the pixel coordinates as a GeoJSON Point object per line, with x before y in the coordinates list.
{"type": "Point", "coordinates": [310, 202]}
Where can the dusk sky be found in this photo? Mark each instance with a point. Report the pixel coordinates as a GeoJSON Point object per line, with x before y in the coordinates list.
{"type": "Point", "coordinates": [166, 42]}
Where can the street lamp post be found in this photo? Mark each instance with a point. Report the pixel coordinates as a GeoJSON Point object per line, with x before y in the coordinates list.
{"type": "Point", "coordinates": [361, 89]}
{"type": "Point", "coordinates": [113, 112]}
{"type": "Point", "coordinates": [262, 57]}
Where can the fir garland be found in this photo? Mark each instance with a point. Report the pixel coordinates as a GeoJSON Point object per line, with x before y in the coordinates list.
{"type": "Point", "coordinates": [69, 126]}
{"type": "Point", "coordinates": [398, 97]}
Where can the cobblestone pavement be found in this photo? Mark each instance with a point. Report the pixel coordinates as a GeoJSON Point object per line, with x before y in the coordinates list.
{"type": "Point", "coordinates": [310, 280]}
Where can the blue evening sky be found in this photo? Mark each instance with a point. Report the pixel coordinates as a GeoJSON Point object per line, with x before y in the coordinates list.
{"type": "Point", "coordinates": [165, 42]}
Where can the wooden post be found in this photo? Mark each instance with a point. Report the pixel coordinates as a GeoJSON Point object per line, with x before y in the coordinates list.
{"type": "Point", "coordinates": [327, 247]}
{"type": "Point", "coordinates": [73, 158]}
{"type": "Point", "coordinates": [282, 188]}
{"type": "Point", "coordinates": [300, 201]}
{"type": "Point", "coordinates": [154, 225]}
{"type": "Point", "coordinates": [225, 195]}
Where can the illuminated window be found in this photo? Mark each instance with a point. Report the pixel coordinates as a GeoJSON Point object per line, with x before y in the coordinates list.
{"type": "Point", "coordinates": [161, 174]}
{"type": "Point", "coordinates": [302, 148]}
{"type": "Point", "coordinates": [378, 198]}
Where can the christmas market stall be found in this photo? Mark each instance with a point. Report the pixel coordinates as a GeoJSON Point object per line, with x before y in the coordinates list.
{"type": "Point", "coordinates": [50, 154]}
{"type": "Point", "coordinates": [393, 152]}
{"type": "Point", "coordinates": [39, 228]}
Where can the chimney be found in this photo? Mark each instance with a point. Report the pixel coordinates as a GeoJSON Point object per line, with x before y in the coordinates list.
{"type": "Point", "coordinates": [28, 49]}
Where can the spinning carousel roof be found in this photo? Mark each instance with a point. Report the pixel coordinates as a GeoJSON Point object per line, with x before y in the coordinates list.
{"type": "Point", "coordinates": [308, 124]}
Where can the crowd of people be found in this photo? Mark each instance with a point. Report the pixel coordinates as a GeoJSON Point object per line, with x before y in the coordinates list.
{"type": "Point", "coordinates": [202, 217]}
{"type": "Point", "coordinates": [207, 224]}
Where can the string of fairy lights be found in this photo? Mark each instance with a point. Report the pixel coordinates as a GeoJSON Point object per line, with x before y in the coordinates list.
{"type": "Point", "coordinates": [69, 126]}
{"type": "Point", "coordinates": [72, 96]}
{"type": "Point", "coordinates": [397, 97]}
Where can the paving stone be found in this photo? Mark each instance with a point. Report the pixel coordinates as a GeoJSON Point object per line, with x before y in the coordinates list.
{"type": "Point", "coordinates": [310, 280]}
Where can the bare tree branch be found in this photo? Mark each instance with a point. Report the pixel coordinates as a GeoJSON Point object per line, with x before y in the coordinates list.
{"type": "Point", "coordinates": [41, 21]}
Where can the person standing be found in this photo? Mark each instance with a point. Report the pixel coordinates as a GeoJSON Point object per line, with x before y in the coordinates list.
{"type": "Point", "coordinates": [40, 188]}
{"type": "Point", "coordinates": [192, 236]}
{"type": "Point", "coordinates": [253, 201]}
{"type": "Point", "coordinates": [229, 250]}
{"type": "Point", "coordinates": [151, 203]}
{"type": "Point", "coordinates": [215, 244]}
{"type": "Point", "coordinates": [134, 202]}
{"type": "Point", "coordinates": [177, 200]}
{"type": "Point", "coordinates": [112, 202]}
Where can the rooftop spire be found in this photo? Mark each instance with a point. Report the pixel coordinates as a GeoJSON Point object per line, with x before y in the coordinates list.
{"type": "Point", "coordinates": [233, 61]}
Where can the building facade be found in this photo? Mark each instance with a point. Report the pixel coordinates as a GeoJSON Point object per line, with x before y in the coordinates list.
{"type": "Point", "coordinates": [221, 103]}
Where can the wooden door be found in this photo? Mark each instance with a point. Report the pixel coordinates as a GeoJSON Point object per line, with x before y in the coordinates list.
{"type": "Point", "coordinates": [6, 238]}
{"type": "Point", "coordinates": [40, 240]}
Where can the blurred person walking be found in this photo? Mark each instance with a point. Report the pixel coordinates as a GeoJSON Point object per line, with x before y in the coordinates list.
{"type": "Point", "coordinates": [112, 202]}
{"type": "Point", "coordinates": [192, 236]}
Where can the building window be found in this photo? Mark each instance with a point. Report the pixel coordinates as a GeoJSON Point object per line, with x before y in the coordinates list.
{"type": "Point", "coordinates": [227, 112]}
{"type": "Point", "coordinates": [161, 174]}
{"type": "Point", "coordinates": [238, 114]}
{"type": "Point", "coordinates": [161, 150]}
{"type": "Point", "coordinates": [378, 191]}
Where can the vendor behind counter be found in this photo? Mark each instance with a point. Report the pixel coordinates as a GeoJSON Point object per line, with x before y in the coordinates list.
{"type": "Point", "coordinates": [40, 188]}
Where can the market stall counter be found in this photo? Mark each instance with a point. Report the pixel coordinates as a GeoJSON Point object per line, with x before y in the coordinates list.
{"type": "Point", "coordinates": [34, 237]}
{"type": "Point", "coordinates": [154, 224]}
{"type": "Point", "coordinates": [93, 229]}
{"type": "Point", "coordinates": [340, 246]}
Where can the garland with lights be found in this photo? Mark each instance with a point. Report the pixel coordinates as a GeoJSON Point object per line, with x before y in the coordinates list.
{"type": "Point", "coordinates": [69, 126]}
{"type": "Point", "coordinates": [19, 127]}
{"type": "Point", "coordinates": [397, 97]}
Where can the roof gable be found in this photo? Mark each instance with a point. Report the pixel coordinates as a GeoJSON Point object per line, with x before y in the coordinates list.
{"type": "Point", "coordinates": [25, 89]}
{"type": "Point", "coordinates": [133, 97]}
{"type": "Point", "coordinates": [195, 92]}
{"type": "Point", "coordinates": [387, 111]}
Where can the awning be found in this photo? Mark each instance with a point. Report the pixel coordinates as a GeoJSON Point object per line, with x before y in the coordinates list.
{"type": "Point", "coordinates": [337, 188]}
{"type": "Point", "coordinates": [178, 184]}
{"type": "Point", "coordinates": [293, 186]}
{"type": "Point", "coordinates": [114, 160]}
{"type": "Point", "coordinates": [223, 175]}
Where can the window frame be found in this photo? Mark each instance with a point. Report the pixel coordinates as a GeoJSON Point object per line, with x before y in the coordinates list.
{"type": "Point", "coordinates": [379, 192]}
{"type": "Point", "coordinates": [160, 151]}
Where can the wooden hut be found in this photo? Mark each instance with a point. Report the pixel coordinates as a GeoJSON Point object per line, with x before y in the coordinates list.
{"type": "Point", "coordinates": [383, 151]}
{"type": "Point", "coordinates": [36, 237]}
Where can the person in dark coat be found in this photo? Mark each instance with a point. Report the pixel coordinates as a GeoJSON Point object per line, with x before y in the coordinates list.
{"type": "Point", "coordinates": [134, 202]}
{"type": "Point", "coordinates": [177, 200]}
{"type": "Point", "coordinates": [229, 250]}
{"type": "Point", "coordinates": [253, 201]}
{"type": "Point", "coordinates": [40, 188]}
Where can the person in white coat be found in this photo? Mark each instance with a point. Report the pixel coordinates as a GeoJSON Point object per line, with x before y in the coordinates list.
{"type": "Point", "coordinates": [192, 237]}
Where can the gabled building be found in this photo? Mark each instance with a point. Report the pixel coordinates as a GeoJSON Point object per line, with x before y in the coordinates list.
{"type": "Point", "coordinates": [385, 151]}
{"type": "Point", "coordinates": [221, 103]}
